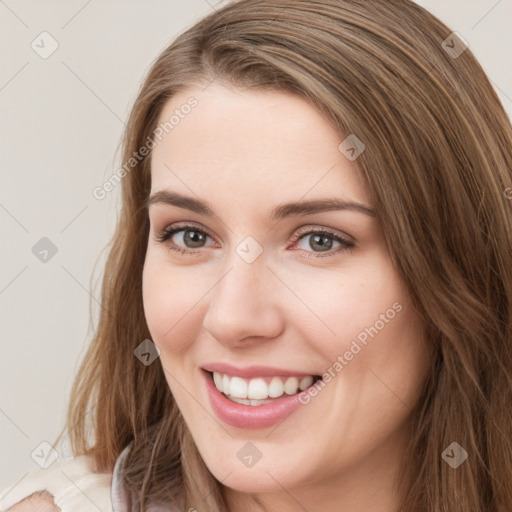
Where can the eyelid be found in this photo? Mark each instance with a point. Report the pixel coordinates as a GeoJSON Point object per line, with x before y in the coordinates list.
{"type": "Point", "coordinates": [320, 229]}
{"type": "Point", "coordinates": [183, 226]}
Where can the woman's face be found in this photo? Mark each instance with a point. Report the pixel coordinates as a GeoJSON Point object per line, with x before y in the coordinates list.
{"type": "Point", "coordinates": [273, 295]}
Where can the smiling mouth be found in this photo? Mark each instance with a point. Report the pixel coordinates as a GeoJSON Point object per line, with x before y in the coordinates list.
{"type": "Point", "coordinates": [260, 390]}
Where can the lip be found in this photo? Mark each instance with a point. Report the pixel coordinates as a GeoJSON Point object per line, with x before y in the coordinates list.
{"type": "Point", "coordinates": [248, 416]}
{"type": "Point", "coordinates": [251, 372]}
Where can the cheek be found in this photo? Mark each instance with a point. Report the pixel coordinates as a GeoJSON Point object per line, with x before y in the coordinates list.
{"type": "Point", "coordinates": [172, 303]}
{"type": "Point", "coordinates": [352, 304]}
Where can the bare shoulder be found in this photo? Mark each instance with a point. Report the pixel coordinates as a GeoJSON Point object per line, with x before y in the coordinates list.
{"type": "Point", "coordinates": [41, 501]}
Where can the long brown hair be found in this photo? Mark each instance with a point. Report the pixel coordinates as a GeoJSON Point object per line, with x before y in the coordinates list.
{"type": "Point", "coordinates": [438, 161]}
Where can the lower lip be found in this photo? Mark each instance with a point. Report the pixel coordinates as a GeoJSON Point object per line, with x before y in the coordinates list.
{"type": "Point", "coordinates": [249, 416]}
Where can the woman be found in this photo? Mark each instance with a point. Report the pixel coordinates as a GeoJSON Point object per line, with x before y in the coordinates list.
{"type": "Point", "coordinates": [307, 303]}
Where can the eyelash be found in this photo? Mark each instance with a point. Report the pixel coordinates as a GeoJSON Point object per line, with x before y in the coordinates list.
{"type": "Point", "coordinates": [168, 232]}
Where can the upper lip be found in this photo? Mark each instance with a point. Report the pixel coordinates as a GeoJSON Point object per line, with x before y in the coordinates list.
{"type": "Point", "coordinates": [250, 372]}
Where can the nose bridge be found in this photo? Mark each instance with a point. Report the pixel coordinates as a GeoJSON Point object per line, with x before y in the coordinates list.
{"type": "Point", "coordinates": [243, 283]}
{"type": "Point", "coordinates": [242, 304]}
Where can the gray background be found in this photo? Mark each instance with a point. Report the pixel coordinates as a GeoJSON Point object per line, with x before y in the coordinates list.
{"type": "Point", "coordinates": [62, 119]}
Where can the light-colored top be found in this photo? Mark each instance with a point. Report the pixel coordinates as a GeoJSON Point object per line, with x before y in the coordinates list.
{"type": "Point", "coordinates": [74, 486]}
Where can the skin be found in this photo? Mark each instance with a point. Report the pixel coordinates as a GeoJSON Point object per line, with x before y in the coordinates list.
{"type": "Point", "coordinates": [245, 152]}
{"type": "Point", "coordinates": [41, 501]}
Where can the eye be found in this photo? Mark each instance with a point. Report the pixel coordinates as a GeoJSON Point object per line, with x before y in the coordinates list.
{"type": "Point", "coordinates": [189, 236]}
{"type": "Point", "coordinates": [187, 239]}
{"type": "Point", "coordinates": [321, 240]}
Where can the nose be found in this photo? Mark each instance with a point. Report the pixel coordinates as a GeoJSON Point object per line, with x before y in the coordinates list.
{"type": "Point", "coordinates": [244, 308]}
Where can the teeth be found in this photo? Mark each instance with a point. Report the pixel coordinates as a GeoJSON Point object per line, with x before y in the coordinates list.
{"type": "Point", "coordinates": [305, 383]}
{"type": "Point", "coordinates": [291, 385]}
{"type": "Point", "coordinates": [238, 388]}
{"type": "Point", "coordinates": [275, 388]}
{"type": "Point", "coordinates": [257, 391]}
{"type": "Point", "coordinates": [217, 378]}
{"type": "Point", "coordinates": [248, 402]}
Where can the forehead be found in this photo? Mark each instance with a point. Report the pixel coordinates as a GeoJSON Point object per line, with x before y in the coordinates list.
{"type": "Point", "coordinates": [257, 142]}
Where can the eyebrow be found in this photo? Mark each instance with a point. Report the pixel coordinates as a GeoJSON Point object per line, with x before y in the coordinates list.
{"type": "Point", "coordinates": [279, 212]}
